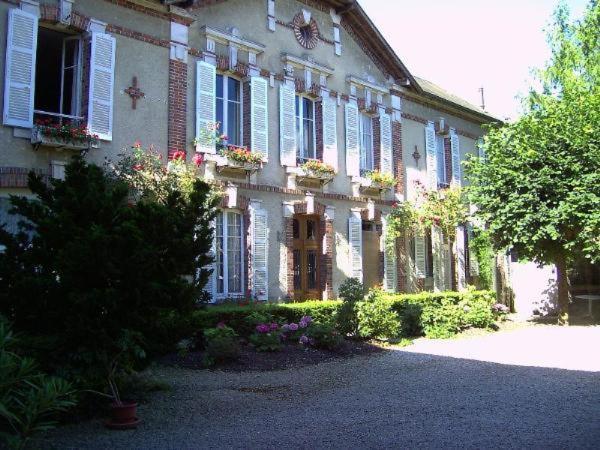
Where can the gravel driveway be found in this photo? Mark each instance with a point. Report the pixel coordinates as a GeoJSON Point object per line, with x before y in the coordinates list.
{"type": "Point", "coordinates": [430, 395]}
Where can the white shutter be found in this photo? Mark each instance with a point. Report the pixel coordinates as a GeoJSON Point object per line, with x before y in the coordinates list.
{"type": "Point", "coordinates": [385, 125]}
{"type": "Point", "coordinates": [460, 252]}
{"type": "Point", "coordinates": [473, 261]}
{"type": "Point", "coordinates": [389, 262]}
{"type": "Point", "coordinates": [19, 78]}
{"type": "Point", "coordinates": [352, 140]}
{"type": "Point", "coordinates": [438, 259]}
{"type": "Point", "coordinates": [420, 250]}
{"type": "Point", "coordinates": [330, 155]}
{"type": "Point", "coordinates": [102, 82]}
{"type": "Point", "coordinates": [355, 241]}
{"type": "Point", "coordinates": [455, 151]}
{"type": "Point", "coordinates": [259, 132]}
{"type": "Point", "coordinates": [210, 286]}
{"type": "Point", "coordinates": [259, 254]}
{"type": "Point", "coordinates": [206, 82]}
{"type": "Point", "coordinates": [287, 126]}
{"type": "Point", "coordinates": [430, 151]}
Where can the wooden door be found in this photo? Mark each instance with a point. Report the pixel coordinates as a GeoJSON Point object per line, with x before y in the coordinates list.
{"type": "Point", "coordinates": [306, 257]}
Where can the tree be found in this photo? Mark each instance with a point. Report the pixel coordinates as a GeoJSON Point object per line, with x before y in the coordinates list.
{"type": "Point", "coordinates": [538, 184]}
{"type": "Point", "coordinates": [93, 276]}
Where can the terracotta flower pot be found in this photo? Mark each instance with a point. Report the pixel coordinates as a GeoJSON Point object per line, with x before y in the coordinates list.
{"type": "Point", "coordinates": [123, 416]}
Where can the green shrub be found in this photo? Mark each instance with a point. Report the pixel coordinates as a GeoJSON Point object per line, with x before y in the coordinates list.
{"type": "Point", "coordinates": [221, 344]}
{"type": "Point", "coordinates": [376, 318]}
{"type": "Point", "coordinates": [266, 342]}
{"type": "Point", "coordinates": [29, 399]}
{"type": "Point", "coordinates": [352, 291]}
{"type": "Point", "coordinates": [322, 336]}
{"type": "Point", "coordinates": [99, 276]}
{"type": "Point", "coordinates": [237, 316]}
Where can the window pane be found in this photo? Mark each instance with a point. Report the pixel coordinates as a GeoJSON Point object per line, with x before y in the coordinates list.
{"type": "Point", "coordinates": [219, 253]}
{"type": "Point", "coordinates": [296, 228]}
{"type": "Point", "coordinates": [366, 143]}
{"type": "Point", "coordinates": [312, 269]}
{"type": "Point", "coordinates": [310, 230]}
{"type": "Point", "coordinates": [233, 123]}
{"type": "Point", "coordinates": [234, 252]}
{"type": "Point", "coordinates": [309, 142]}
{"type": "Point", "coordinates": [297, 106]}
{"type": "Point", "coordinates": [219, 86]}
{"type": "Point", "coordinates": [441, 166]}
{"type": "Point", "coordinates": [308, 106]}
{"type": "Point", "coordinates": [297, 270]}
{"type": "Point", "coordinates": [233, 90]}
{"type": "Point", "coordinates": [68, 100]}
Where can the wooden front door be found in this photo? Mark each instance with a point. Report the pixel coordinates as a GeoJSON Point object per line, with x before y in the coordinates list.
{"type": "Point", "coordinates": [306, 261]}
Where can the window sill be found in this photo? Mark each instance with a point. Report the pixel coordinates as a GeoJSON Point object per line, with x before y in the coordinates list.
{"type": "Point", "coordinates": [223, 163]}
{"type": "Point", "coordinates": [366, 184]}
{"type": "Point", "coordinates": [40, 140]}
{"type": "Point", "coordinates": [310, 175]}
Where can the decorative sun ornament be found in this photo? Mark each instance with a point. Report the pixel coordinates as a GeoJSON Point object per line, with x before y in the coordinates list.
{"type": "Point", "coordinates": [306, 29]}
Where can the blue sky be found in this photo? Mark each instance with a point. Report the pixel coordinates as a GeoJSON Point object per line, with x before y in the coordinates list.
{"type": "Point", "coordinates": [464, 44]}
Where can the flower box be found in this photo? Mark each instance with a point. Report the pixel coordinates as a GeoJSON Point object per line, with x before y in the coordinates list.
{"type": "Point", "coordinates": [41, 137]}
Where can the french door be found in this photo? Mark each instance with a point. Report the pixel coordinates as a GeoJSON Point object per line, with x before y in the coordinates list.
{"type": "Point", "coordinates": [306, 261]}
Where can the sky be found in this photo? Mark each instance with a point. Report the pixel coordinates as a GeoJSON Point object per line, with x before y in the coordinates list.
{"type": "Point", "coordinates": [462, 45]}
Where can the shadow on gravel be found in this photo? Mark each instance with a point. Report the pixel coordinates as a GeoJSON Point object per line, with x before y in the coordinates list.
{"type": "Point", "coordinates": [396, 399]}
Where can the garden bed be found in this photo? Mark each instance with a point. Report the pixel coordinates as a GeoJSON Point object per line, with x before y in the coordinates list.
{"type": "Point", "coordinates": [290, 356]}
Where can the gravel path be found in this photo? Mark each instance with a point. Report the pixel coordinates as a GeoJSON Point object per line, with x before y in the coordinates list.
{"type": "Point", "coordinates": [405, 398]}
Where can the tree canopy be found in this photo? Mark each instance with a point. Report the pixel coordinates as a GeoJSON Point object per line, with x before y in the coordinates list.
{"type": "Point", "coordinates": [538, 184]}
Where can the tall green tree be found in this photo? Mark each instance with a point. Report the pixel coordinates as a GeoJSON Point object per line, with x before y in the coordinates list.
{"type": "Point", "coordinates": [538, 185]}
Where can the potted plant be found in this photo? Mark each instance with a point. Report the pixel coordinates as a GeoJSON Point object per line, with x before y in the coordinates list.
{"type": "Point", "coordinates": [71, 135]}
{"type": "Point", "coordinates": [380, 180]}
{"type": "Point", "coordinates": [123, 413]}
{"type": "Point", "coordinates": [242, 156]}
{"type": "Point", "coordinates": [318, 169]}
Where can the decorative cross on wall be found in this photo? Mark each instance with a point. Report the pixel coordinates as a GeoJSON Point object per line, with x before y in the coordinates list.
{"type": "Point", "coordinates": [134, 92]}
{"type": "Point", "coordinates": [416, 155]}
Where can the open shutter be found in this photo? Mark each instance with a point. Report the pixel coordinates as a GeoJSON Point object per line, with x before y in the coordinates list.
{"type": "Point", "coordinates": [385, 124]}
{"type": "Point", "coordinates": [355, 241]}
{"type": "Point", "coordinates": [389, 262]}
{"type": "Point", "coordinates": [420, 268]}
{"type": "Point", "coordinates": [206, 82]}
{"type": "Point", "coordinates": [473, 261]}
{"type": "Point", "coordinates": [438, 259]}
{"type": "Point", "coordinates": [210, 285]}
{"type": "Point", "coordinates": [330, 155]}
{"type": "Point", "coordinates": [287, 125]}
{"type": "Point", "coordinates": [455, 151]}
{"type": "Point", "coordinates": [19, 78]}
{"type": "Point", "coordinates": [259, 254]}
{"type": "Point", "coordinates": [460, 252]}
{"type": "Point", "coordinates": [352, 140]}
{"type": "Point", "coordinates": [259, 120]}
{"type": "Point", "coordinates": [102, 81]}
{"type": "Point", "coordinates": [430, 151]}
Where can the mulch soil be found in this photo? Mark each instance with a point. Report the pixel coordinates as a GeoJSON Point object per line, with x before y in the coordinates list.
{"type": "Point", "coordinates": [290, 356]}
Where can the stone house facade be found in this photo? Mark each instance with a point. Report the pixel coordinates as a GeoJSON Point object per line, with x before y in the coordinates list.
{"type": "Point", "coordinates": [292, 80]}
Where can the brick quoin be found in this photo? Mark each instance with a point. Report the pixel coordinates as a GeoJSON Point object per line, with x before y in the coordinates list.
{"type": "Point", "coordinates": [397, 156]}
{"type": "Point", "coordinates": [177, 106]}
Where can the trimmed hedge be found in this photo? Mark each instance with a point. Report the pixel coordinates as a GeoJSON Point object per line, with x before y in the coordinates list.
{"type": "Point", "coordinates": [235, 316]}
{"type": "Point", "coordinates": [434, 315]}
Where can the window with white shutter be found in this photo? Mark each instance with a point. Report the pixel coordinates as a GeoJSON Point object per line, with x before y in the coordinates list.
{"type": "Point", "coordinates": [206, 76]}
{"type": "Point", "coordinates": [228, 103]}
{"type": "Point", "coordinates": [389, 262]}
{"type": "Point", "coordinates": [473, 261]}
{"type": "Point", "coordinates": [430, 151]}
{"type": "Point", "coordinates": [210, 285]}
{"type": "Point", "coordinates": [385, 124]}
{"type": "Point", "coordinates": [229, 254]}
{"type": "Point", "coordinates": [355, 241]}
{"type": "Point", "coordinates": [102, 80]}
{"type": "Point", "coordinates": [287, 126]}
{"type": "Point", "coordinates": [19, 78]}
{"type": "Point", "coordinates": [259, 254]}
{"type": "Point", "coordinates": [455, 151]}
{"type": "Point", "coordinates": [420, 256]}
{"type": "Point", "coordinates": [259, 120]}
{"type": "Point", "coordinates": [460, 253]}
{"type": "Point", "coordinates": [330, 154]}
{"type": "Point", "coordinates": [365, 126]}
{"type": "Point", "coordinates": [352, 140]}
